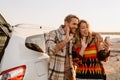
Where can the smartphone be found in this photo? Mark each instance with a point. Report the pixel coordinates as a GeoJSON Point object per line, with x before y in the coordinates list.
{"type": "Point", "coordinates": [107, 38]}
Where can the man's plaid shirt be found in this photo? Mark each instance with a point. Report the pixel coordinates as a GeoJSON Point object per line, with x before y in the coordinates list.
{"type": "Point", "coordinates": [57, 59]}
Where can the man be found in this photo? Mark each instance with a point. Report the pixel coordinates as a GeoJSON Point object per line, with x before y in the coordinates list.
{"type": "Point", "coordinates": [59, 46]}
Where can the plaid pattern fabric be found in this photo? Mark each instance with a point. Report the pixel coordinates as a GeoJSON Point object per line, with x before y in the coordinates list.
{"type": "Point", "coordinates": [57, 59]}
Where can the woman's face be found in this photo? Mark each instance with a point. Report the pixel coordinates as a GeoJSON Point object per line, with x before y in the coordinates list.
{"type": "Point", "coordinates": [84, 29]}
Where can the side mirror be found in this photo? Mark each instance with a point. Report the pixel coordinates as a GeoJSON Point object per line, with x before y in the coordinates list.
{"type": "Point", "coordinates": [34, 47]}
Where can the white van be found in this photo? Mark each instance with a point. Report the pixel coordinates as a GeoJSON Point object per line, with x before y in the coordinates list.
{"type": "Point", "coordinates": [22, 52]}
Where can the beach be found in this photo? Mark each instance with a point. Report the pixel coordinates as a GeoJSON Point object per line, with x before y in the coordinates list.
{"type": "Point", "coordinates": [112, 66]}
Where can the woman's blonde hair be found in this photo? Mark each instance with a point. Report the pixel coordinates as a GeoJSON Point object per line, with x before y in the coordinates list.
{"type": "Point", "coordinates": [78, 35]}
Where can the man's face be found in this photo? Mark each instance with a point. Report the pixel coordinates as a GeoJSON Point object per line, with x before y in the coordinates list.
{"type": "Point", "coordinates": [73, 24]}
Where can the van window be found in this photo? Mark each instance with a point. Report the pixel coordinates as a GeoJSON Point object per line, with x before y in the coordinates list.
{"type": "Point", "coordinates": [36, 43]}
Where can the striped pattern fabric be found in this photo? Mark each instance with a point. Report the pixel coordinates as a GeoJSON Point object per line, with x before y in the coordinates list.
{"type": "Point", "coordinates": [88, 66]}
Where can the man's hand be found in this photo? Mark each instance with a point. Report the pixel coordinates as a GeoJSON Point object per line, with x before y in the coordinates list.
{"type": "Point", "coordinates": [69, 35]}
{"type": "Point", "coordinates": [98, 36]}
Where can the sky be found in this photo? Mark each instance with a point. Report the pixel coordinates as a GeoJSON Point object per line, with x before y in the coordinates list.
{"type": "Point", "coordinates": [102, 15]}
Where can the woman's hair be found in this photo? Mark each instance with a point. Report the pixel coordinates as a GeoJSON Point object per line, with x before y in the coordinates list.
{"type": "Point", "coordinates": [78, 35]}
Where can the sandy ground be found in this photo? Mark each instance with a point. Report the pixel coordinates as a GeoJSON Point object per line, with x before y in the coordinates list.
{"type": "Point", "coordinates": [112, 66]}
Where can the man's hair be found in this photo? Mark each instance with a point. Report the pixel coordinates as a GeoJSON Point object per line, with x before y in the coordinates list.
{"type": "Point", "coordinates": [69, 17]}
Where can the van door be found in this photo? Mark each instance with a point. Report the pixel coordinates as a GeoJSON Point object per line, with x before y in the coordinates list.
{"type": "Point", "coordinates": [5, 33]}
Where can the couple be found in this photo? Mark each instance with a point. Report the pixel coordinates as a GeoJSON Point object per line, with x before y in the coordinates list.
{"type": "Point", "coordinates": [75, 52]}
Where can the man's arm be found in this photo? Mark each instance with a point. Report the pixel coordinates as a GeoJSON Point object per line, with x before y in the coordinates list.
{"type": "Point", "coordinates": [53, 45]}
{"type": "Point", "coordinates": [60, 45]}
{"type": "Point", "coordinates": [98, 36]}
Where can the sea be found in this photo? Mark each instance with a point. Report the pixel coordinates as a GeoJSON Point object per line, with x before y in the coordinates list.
{"type": "Point", "coordinates": [113, 38]}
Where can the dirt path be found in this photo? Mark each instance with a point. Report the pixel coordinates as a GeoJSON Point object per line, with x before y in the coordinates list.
{"type": "Point", "coordinates": [112, 66]}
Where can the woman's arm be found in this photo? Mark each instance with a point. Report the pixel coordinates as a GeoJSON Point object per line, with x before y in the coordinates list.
{"type": "Point", "coordinates": [103, 49]}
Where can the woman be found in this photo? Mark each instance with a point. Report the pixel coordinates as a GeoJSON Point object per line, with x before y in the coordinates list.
{"type": "Point", "coordinates": [88, 52]}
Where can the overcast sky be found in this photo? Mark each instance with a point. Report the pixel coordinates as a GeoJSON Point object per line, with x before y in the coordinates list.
{"type": "Point", "coordinates": [102, 15]}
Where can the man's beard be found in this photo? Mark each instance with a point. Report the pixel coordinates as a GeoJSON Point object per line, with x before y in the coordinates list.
{"type": "Point", "coordinates": [71, 30]}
